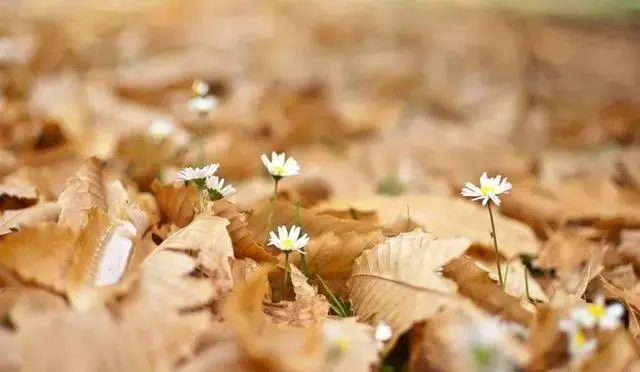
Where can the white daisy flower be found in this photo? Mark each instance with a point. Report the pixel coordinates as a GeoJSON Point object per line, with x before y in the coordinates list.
{"type": "Point", "coordinates": [200, 88]}
{"type": "Point", "coordinates": [161, 129]}
{"type": "Point", "coordinates": [279, 166]}
{"type": "Point", "coordinates": [202, 105]}
{"type": "Point", "coordinates": [334, 336]}
{"type": "Point", "coordinates": [288, 241]}
{"type": "Point", "coordinates": [198, 175]}
{"type": "Point", "coordinates": [216, 188]}
{"type": "Point", "coordinates": [490, 188]}
{"type": "Point", "coordinates": [579, 346]}
{"type": "Point", "coordinates": [483, 347]}
{"type": "Point", "coordinates": [597, 314]}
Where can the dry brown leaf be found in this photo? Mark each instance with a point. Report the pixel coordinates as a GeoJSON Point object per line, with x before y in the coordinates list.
{"type": "Point", "coordinates": [313, 224]}
{"type": "Point", "coordinates": [575, 259]}
{"type": "Point", "coordinates": [40, 253]}
{"type": "Point", "coordinates": [94, 340]}
{"type": "Point", "coordinates": [398, 281]}
{"type": "Point", "coordinates": [617, 352]}
{"type": "Point", "coordinates": [515, 284]}
{"type": "Point", "coordinates": [332, 257]}
{"type": "Point", "coordinates": [207, 239]}
{"type": "Point", "coordinates": [144, 157]}
{"type": "Point", "coordinates": [475, 284]}
{"type": "Point", "coordinates": [537, 211]}
{"type": "Point", "coordinates": [595, 200]}
{"type": "Point", "coordinates": [85, 190]}
{"type": "Point", "coordinates": [546, 343]}
{"type": "Point", "coordinates": [446, 217]}
{"type": "Point", "coordinates": [307, 309]}
{"type": "Point", "coordinates": [177, 204]}
{"type": "Point", "coordinates": [258, 344]}
{"type": "Point", "coordinates": [165, 281]}
{"type": "Point", "coordinates": [50, 181]}
{"type": "Point", "coordinates": [17, 196]}
{"type": "Point", "coordinates": [362, 352]}
{"type": "Point", "coordinates": [12, 220]}
{"type": "Point", "coordinates": [32, 302]}
{"type": "Point", "coordinates": [307, 191]}
{"type": "Point", "coordinates": [245, 244]}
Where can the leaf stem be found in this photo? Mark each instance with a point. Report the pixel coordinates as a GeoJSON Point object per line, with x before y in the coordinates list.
{"type": "Point", "coordinates": [495, 245]}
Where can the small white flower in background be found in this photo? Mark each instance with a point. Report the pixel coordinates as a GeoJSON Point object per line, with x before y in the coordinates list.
{"type": "Point", "coordinates": [382, 333]}
{"type": "Point", "coordinates": [197, 175]}
{"type": "Point", "coordinates": [490, 188]}
{"type": "Point", "coordinates": [216, 188]}
{"type": "Point", "coordinates": [200, 88]}
{"type": "Point", "coordinates": [483, 345]}
{"type": "Point", "coordinates": [161, 129]}
{"type": "Point", "coordinates": [279, 166]}
{"type": "Point", "coordinates": [598, 314]}
{"type": "Point", "coordinates": [334, 336]}
{"type": "Point", "coordinates": [579, 346]}
{"type": "Point", "coordinates": [288, 241]}
{"type": "Point", "coordinates": [202, 105]}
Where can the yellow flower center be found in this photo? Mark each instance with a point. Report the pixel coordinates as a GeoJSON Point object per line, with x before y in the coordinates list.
{"type": "Point", "coordinates": [341, 343]}
{"type": "Point", "coordinates": [596, 311]}
{"type": "Point", "coordinates": [278, 169]}
{"type": "Point", "coordinates": [286, 244]}
{"type": "Point", "coordinates": [487, 189]}
{"type": "Point", "coordinates": [579, 338]}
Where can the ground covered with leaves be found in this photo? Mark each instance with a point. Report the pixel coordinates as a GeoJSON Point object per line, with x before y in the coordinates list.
{"type": "Point", "coordinates": [356, 246]}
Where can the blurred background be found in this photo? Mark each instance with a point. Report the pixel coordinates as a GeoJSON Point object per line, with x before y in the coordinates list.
{"type": "Point", "coordinates": [400, 91]}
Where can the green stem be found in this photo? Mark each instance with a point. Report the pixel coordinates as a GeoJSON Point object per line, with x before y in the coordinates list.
{"type": "Point", "coordinates": [495, 244]}
{"type": "Point", "coordinates": [303, 257]}
{"type": "Point", "coordinates": [273, 209]}
{"type": "Point", "coordinates": [286, 275]}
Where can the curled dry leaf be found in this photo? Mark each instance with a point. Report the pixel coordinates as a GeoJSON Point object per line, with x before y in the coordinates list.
{"type": "Point", "coordinates": [475, 284]}
{"type": "Point", "coordinates": [245, 269]}
{"type": "Point", "coordinates": [399, 280]}
{"type": "Point", "coordinates": [39, 253]}
{"type": "Point", "coordinates": [446, 217]}
{"type": "Point", "coordinates": [313, 224]}
{"type": "Point", "coordinates": [245, 244]}
{"type": "Point", "coordinates": [332, 257]}
{"type": "Point", "coordinates": [361, 354]}
{"type": "Point", "coordinates": [207, 239]}
{"type": "Point", "coordinates": [258, 345]}
{"type": "Point", "coordinates": [102, 252]}
{"type": "Point", "coordinates": [575, 259]}
{"type": "Point", "coordinates": [177, 204]}
{"type": "Point", "coordinates": [17, 196]}
{"type": "Point", "coordinates": [515, 284]}
{"type": "Point", "coordinates": [307, 309]}
{"type": "Point", "coordinates": [85, 190]}
{"type": "Point", "coordinates": [167, 280]}
{"type": "Point", "coordinates": [94, 340]}
{"type": "Point", "coordinates": [11, 221]}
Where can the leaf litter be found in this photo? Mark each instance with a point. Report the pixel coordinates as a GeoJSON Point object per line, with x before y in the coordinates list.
{"type": "Point", "coordinates": [356, 247]}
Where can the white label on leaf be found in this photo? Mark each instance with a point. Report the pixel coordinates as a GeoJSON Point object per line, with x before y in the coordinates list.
{"type": "Point", "coordinates": [114, 259]}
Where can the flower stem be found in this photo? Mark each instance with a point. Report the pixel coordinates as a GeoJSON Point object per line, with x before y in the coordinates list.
{"type": "Point", "coordinates": [286, 275]}
{"type": "Point", "coordinates": [273, 209]}
{"type": "Point", "coordinates": [495, 244]}
{"type": "Point", "coordinates": [303, 257]}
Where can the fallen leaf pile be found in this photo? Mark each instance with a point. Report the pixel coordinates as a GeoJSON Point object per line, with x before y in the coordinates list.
{"type": "Point", "coordinates": [111, 259]}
